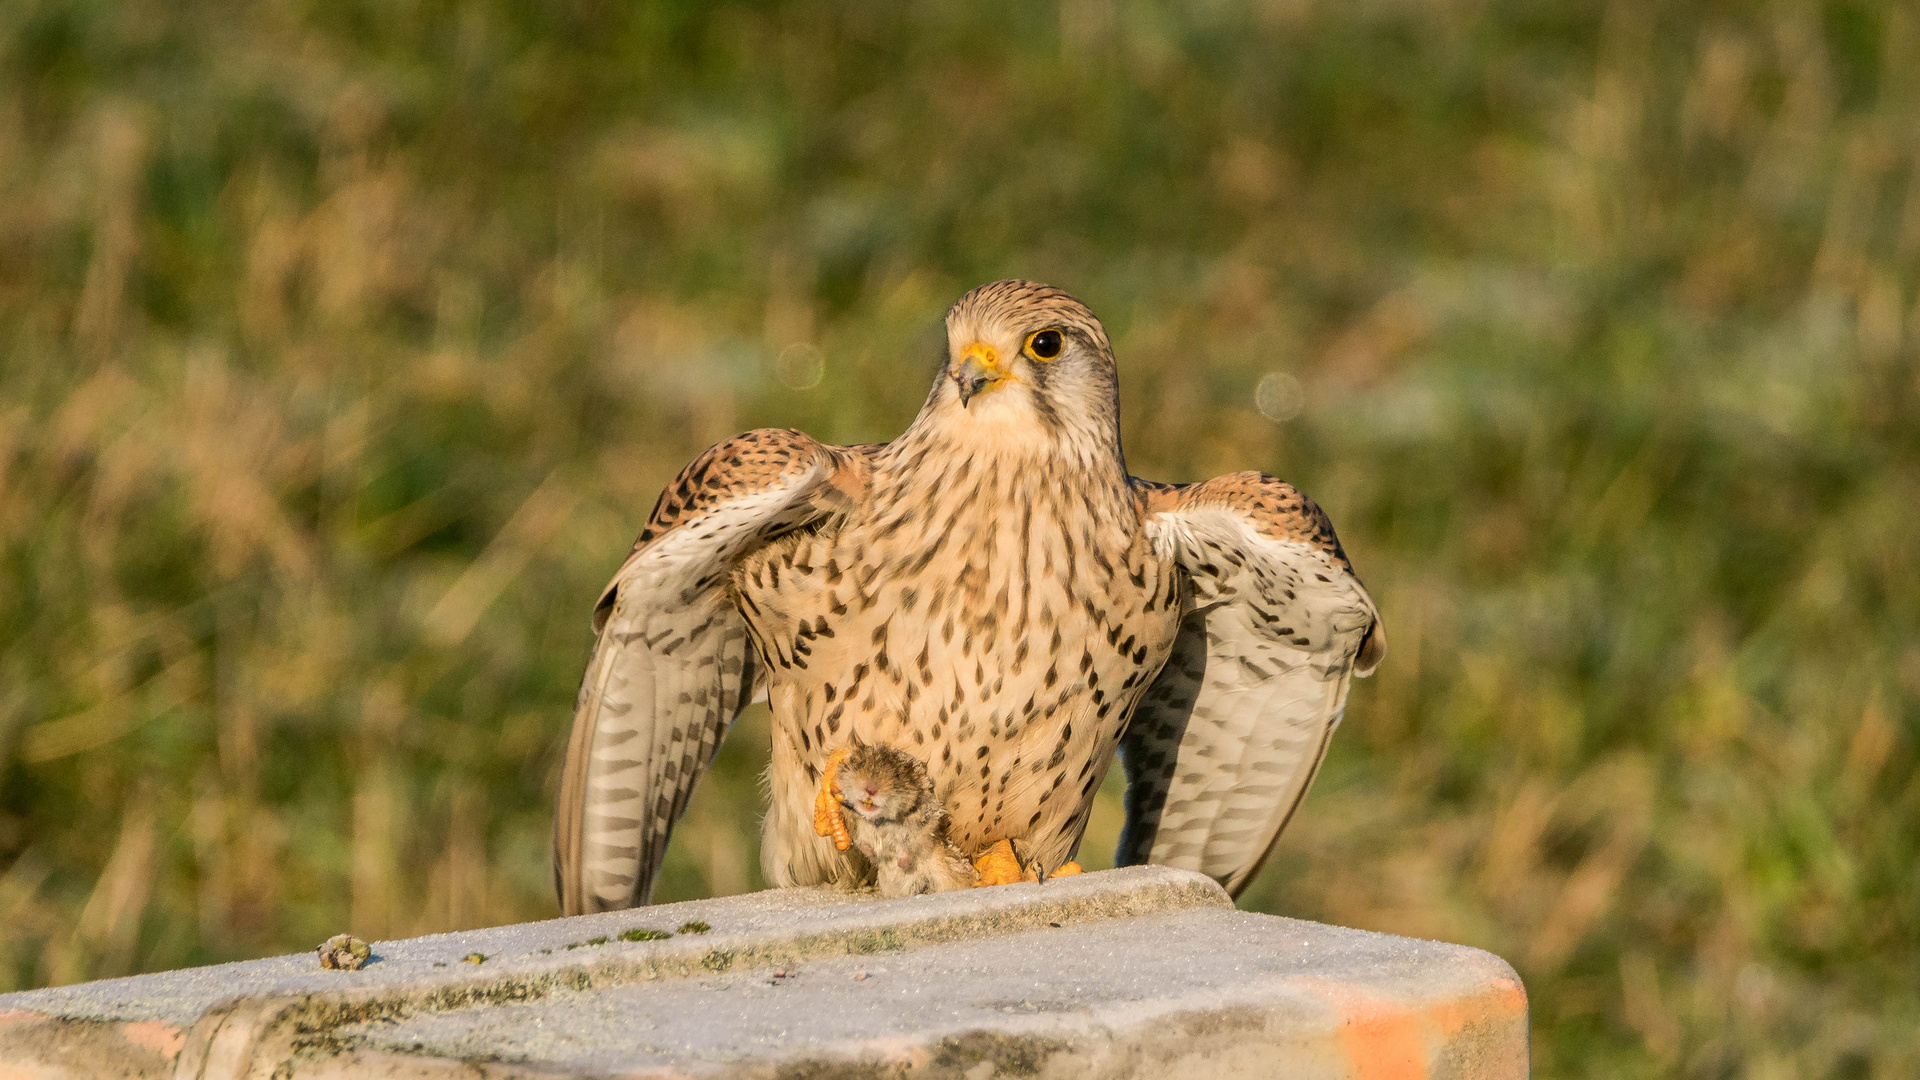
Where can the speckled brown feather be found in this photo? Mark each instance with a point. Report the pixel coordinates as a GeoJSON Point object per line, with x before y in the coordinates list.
{"type": "Point", "coordinates": [673, 665]}
{"type": "Point", "coordinates": [1273, 508]}
{"type": "Point", "coordinates": [1222, 750]}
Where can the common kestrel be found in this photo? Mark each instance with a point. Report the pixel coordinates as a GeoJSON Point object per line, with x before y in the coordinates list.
{"type": "Point", "coordinates": [990, 592]}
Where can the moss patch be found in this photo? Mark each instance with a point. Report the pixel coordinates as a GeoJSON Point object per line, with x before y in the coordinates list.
{"type": "Point", "coordinates": [1012, 1055]}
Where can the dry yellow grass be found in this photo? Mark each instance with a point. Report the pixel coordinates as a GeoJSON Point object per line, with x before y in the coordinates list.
{"type": "Point", "coordinates": [344, 346]}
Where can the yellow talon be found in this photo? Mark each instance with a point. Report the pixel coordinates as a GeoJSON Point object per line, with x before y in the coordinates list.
{"type": "Point", "coordinates": [827, 819]}
{"type": "Point", "coordinates": [999, 866]}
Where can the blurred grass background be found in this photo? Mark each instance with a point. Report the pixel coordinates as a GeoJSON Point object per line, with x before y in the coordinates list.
{"type": "Point", "coordinates": [344, 346]}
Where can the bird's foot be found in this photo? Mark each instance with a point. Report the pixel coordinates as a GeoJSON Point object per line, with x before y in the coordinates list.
{"type": "Point", "coordinates": [998, 865]}
{"type": "Point", "coordinates": [827, 818]}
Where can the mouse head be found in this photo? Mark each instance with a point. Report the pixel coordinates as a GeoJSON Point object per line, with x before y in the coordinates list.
{"type": "Point", "coordinates": [882, 784]}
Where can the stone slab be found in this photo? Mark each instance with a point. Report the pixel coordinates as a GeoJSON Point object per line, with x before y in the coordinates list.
{"type": "Point", "coordinates": [1139, 972]}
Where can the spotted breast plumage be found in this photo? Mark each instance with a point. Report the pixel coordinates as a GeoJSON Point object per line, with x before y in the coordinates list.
{"type": "Point", "coordinates": [994, 595]}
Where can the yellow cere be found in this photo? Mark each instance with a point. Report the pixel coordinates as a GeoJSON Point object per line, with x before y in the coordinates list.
{"type": "Point", "coordinates": [984, 354]}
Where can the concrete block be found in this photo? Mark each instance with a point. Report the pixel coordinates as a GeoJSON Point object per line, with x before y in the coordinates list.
{"type": "Point", "coordinates": [1145, 972]}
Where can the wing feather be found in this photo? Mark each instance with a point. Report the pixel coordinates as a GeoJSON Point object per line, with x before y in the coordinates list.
{"type": "Point", "coordinates": [1224, 745]}
{"type": "Point", "coordinates": [673, 665]}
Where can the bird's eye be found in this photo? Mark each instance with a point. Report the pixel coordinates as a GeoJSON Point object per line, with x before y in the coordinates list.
{"type": "Point", "coordinates": [1045, 345]}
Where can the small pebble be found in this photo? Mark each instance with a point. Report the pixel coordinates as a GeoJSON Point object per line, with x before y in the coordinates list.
{"type": "Point", "coordinates": [859, 976]}
{"type": "Point", "coordinates": [474, 958]}
{"type": "Point", "coordinates": [344, 952]}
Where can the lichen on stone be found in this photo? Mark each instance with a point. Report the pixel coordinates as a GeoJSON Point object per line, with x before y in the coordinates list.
{"type": "Point", "coordinates": [344, 952]}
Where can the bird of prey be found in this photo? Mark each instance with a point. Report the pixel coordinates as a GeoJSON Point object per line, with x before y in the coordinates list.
{"type": "Point", "coordinates": [990, 592]}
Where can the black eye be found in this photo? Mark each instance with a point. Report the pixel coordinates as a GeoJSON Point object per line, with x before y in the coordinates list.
{"type": "Point", "coordinates": [1046, 344]}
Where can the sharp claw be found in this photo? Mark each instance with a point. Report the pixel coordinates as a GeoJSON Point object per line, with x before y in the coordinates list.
{"type": "Point", "coordinates": [1067, 869]}
{"type": "Point", "coordinates": [827, 818]}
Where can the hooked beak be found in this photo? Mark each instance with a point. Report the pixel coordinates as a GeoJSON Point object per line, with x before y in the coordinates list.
{"type": "Point", "coordinates": [979, 368]}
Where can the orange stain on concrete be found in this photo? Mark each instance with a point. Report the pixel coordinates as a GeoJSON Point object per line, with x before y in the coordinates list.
{"type": "Point", "coordinates": [1384, 1044]}
{"type": "Point", "coordinates": [1386, 1038]}
{"type": "Point", "coordinates": [155, 1035]}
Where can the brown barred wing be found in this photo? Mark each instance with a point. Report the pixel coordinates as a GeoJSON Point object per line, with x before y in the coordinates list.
{"type": "Point", "coordinates": [673, 665]}
{"type": "Point", "coordinates": [1221, 750]}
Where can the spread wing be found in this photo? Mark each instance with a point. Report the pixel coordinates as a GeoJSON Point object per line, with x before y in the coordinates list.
{"type": "Point", "coordinates": [1221, 750]}
{"type": "Point", "coordinates": [673, 666]}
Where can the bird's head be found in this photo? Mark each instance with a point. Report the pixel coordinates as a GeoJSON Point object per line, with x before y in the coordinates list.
{"type": "Point", "coordinates": [1022, 354]}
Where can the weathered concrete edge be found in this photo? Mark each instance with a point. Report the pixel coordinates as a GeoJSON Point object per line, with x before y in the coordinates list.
{"type": "Point", "coordinates": [1457, 1012]}
{"type": "Point", "coordinates": [227, 1038]}
{"type": "Point", "coordinates": [1318, 1027]}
